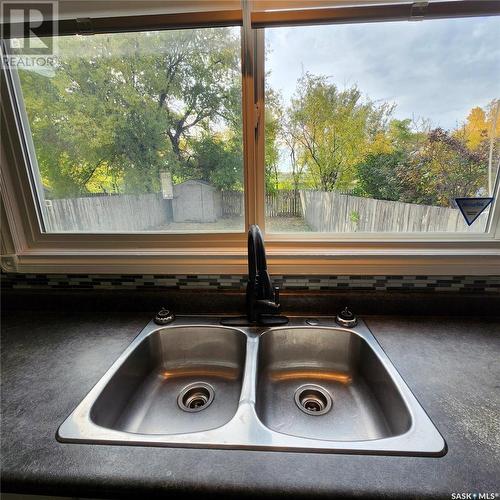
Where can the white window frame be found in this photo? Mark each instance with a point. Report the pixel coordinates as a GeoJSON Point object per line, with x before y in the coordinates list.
{"type": "Point", "coordinates": [26, 248]}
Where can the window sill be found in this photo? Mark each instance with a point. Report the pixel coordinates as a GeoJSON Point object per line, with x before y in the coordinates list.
{"type": "Point", "coordinates": [442, 259]}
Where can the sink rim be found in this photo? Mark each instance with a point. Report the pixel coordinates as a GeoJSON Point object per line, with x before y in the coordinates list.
{"type": "Point", "coordinates": [245, 430]}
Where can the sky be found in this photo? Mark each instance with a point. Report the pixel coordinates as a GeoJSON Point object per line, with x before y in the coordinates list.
{"type": "Point", "coordinates": [433, 69]}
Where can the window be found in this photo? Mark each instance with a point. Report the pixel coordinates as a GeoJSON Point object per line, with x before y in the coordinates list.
{"type": "Point", "coordinates": [153, 141]}
{"type": "Point", "coordinates": [139, 132]}
{"type": "Point", "coordinates": [379, 127]}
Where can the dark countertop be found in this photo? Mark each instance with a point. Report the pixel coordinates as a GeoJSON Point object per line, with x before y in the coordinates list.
{"type": "Point", "coordinates": [50, 361]}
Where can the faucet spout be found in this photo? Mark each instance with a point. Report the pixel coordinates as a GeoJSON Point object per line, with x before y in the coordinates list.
{"type": "Point", "coordinates": [262, 299]}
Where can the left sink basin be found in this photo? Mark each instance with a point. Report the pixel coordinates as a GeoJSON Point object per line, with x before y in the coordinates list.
{"type": "Point", "coordinates": [177, 380]}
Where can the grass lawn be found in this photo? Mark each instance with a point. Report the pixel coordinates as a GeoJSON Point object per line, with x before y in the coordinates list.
{"type": "Point", "coordinates": [273, 225]}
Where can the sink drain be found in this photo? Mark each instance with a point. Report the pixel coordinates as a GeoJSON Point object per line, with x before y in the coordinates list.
{"type": "Point", "coordinates": [313, 399]}
{"type": "Point", "coordinates": [196, 397]}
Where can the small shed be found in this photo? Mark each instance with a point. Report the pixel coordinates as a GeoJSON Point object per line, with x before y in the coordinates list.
{"type": "Point", "coordinates": [196, 201]}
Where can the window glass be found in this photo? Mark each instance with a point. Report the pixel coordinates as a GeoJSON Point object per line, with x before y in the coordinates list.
{"type": "Point", "coordinates": [379, 127]}
{"type": "Point", "coordinates": [139, 132]}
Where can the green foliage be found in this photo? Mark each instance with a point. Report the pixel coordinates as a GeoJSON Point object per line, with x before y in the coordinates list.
{"type": "Point", "coordinates": [332, 128]}
{"type": "Point", "coordinates": [354, 217]}
{"type": "Point", "coordinates": [138, 143]}
{"type": "Point", "coordinates": [218, 162]}
{"type": "Point", "coordinates": [443, 169]}
{"type": "Point", "coordinates": [273, 124]}
{"type": "Point", "coordinates": [378, 176]}
{"type": "Point", "coordinates": [122, 107]}
{"type": "Point", "coordinates": [431, 169]}
{"type": "Point", "coordinates": [337, 140]}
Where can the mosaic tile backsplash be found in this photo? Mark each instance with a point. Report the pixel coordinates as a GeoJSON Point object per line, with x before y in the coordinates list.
{"type": "Point", "coordinates": [237, 282]}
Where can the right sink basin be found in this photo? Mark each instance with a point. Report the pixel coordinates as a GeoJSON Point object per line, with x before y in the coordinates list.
{"type": "Point", "coordinates": [327, 384]}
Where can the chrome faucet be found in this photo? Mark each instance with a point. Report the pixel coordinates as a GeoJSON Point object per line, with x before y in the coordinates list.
{"type": "Point", "coordinates": [263, 304]}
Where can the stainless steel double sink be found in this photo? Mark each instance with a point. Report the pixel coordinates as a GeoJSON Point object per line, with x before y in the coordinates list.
{"type": "Point", "coordinates": [195, 383]}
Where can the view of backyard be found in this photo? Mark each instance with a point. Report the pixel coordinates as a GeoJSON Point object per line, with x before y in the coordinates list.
{"type": "Point", "coordinates": [143, 131]}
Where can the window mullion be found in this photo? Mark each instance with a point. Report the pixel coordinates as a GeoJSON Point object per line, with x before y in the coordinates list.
{"type": "Point", "coordinates": [249, 118]}
{"type": "Point", "coordinates": [260, 126]}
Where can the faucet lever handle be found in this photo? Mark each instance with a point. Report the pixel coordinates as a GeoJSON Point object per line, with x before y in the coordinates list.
{"type": "Point", "coordinates": [277, 295]}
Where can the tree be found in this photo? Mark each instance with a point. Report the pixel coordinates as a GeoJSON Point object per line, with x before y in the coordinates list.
{"type": "Point", "coordinates": [481, 132]}
{"type": "Point", "coordinates": [443, 169]}
{"type": "Point", "coordinates": [333, 129]}
{"type": "Point", "coordinates": [291, 139]}
{"type": "Point", "coordinates": [476, 128]}
{"type": "Point", "coordinates": [218, 162]}
{"type": "Point", "coordinates": [494, 143]}
{"type": "Point", "coordinates": [383, 172]}
{"type": "Point", "coordinates": [272, 129]}
{"type": "Point", "coordinates": [126, 106]}
{"type": "Point", "coordinates": [378, 176]}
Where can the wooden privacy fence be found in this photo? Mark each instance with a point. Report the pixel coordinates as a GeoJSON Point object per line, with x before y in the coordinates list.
{"type": "Point", "coordinates": [279, 204]}
{"type": "Point", "coordinates": [337, 213]}
{"type": "Point", "coordinates": [283, 204]}
{"type": "Point", "coordinates": [232, 203]}
{"type": "Point", "coordinates": [322, 211]}
{"type": "Point", "coordinates": [107, 213]}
